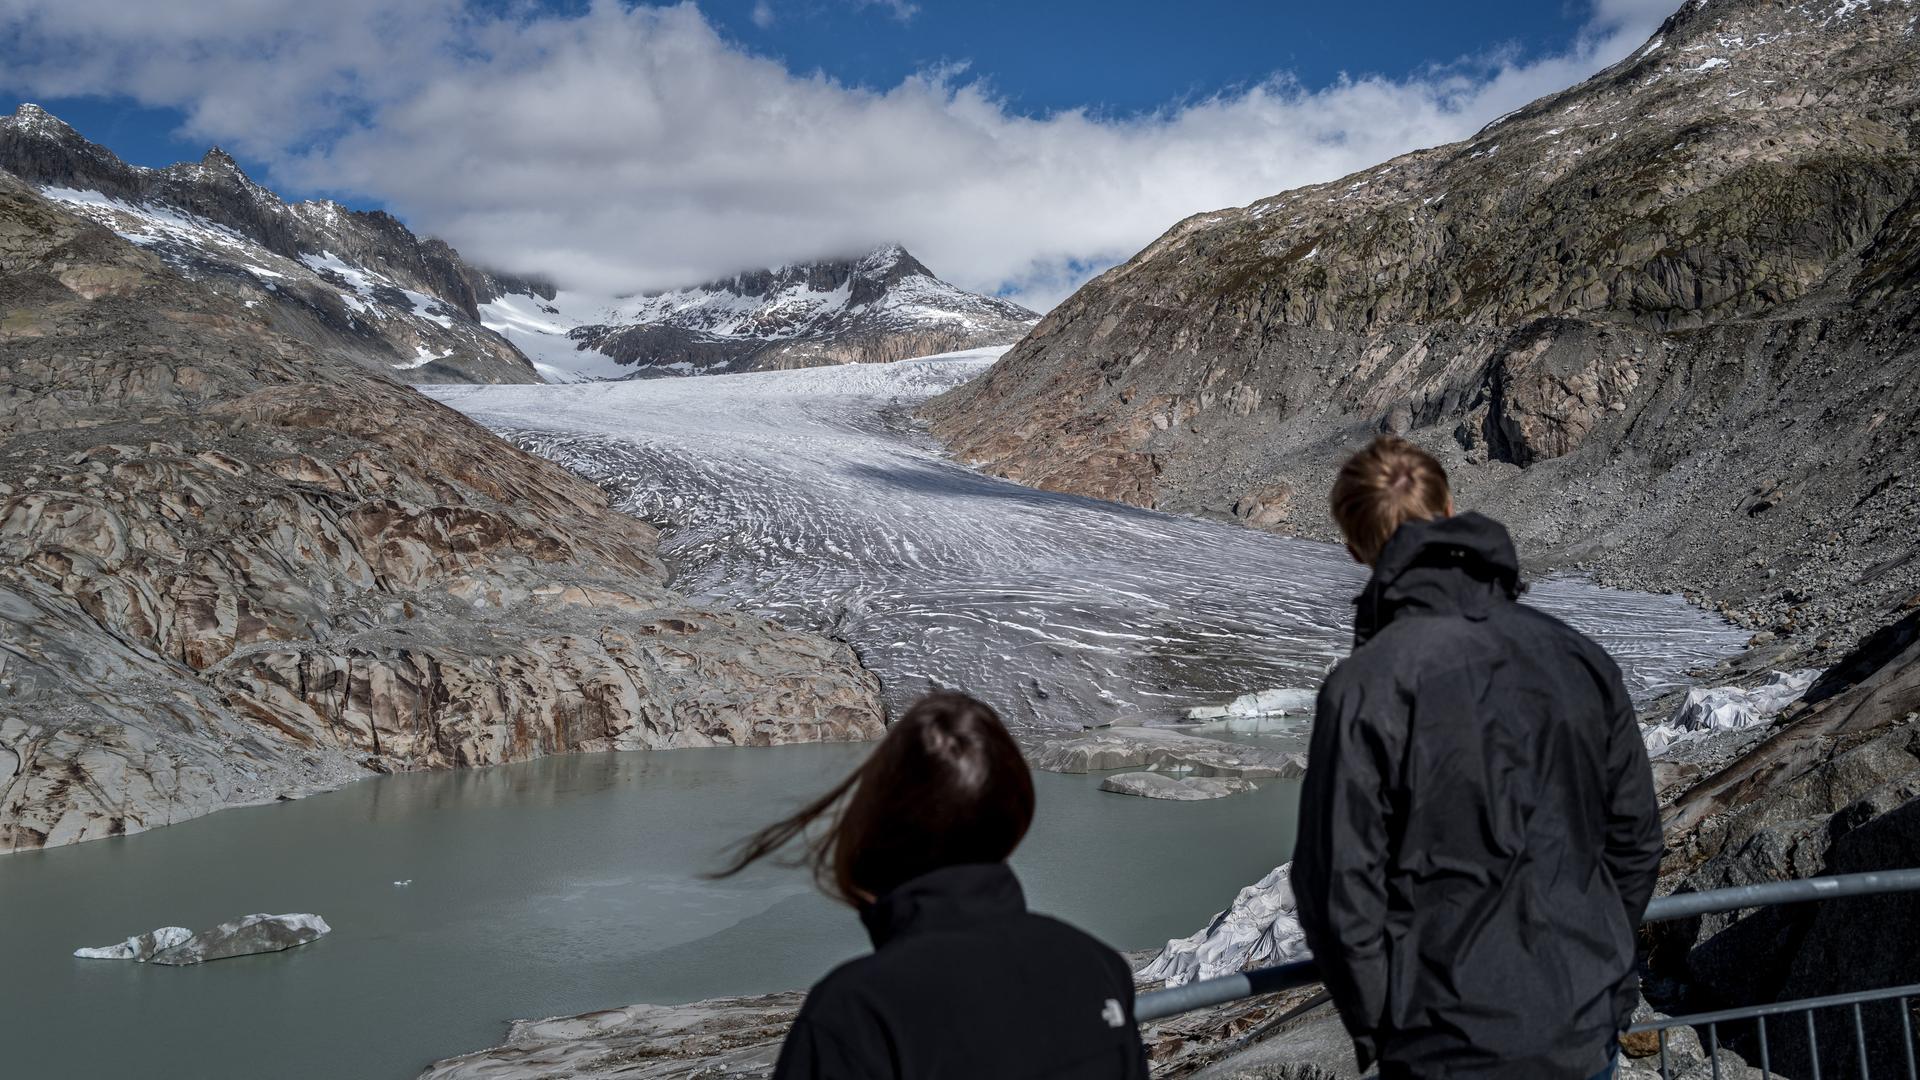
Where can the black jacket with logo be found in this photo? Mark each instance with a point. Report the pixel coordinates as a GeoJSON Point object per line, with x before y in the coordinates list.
{"type": "Point", "coordinates": [1478, 830]}
{"type": "Point", "coordinates": [965, 983]}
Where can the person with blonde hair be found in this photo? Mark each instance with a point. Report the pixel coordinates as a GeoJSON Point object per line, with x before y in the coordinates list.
{"type": "Point", "coordinates": [1478, 831]}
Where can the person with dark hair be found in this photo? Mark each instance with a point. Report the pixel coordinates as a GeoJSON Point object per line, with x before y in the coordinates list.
{"type": "Point", "coordinates": [1478, 831]}
{"type": "Point", "coordinates": [964, 982]}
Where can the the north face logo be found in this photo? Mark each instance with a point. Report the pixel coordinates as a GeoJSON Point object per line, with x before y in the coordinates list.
{"type": "Point", "coordinates": [1113, 1014]}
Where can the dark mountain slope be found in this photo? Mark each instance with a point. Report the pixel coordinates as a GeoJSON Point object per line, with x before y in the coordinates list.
{"type": "Point", "coordinates": [358, 280]}
{"type": "Point", "coordinates": [1665, 321]}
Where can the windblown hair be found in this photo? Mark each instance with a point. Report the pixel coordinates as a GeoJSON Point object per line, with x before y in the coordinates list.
{"type": "Point", "coordinates": [1383, 487]}
{"type": "Point", "coordinates": [946, 786]}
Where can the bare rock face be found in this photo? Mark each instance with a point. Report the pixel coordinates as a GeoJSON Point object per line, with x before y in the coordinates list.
{"type": "Point", "coordinates": [1834, 789]}
{"type": "Point", "coordinates": [235, 567]}
{"type": "Point", "coordinates": [359, 281]}
{"type": "Point", "coordinates": [733, 1037]}
{"type": "Point", "coordinates": [1661, 322]}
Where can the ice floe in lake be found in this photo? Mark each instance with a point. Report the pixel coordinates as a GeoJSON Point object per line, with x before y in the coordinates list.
{"type": "Point", "coordinates": [1258, 705]}
{"type": "Point", "coordinates": [176, 946]}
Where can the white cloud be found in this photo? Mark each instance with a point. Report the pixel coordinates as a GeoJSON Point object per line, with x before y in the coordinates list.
{"type": "Point", "coordinates": [762, 14]}
{"type": "Point", "coordinates": [628, 148]}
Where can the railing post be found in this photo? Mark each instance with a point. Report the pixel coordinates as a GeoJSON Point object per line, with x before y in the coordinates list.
{"type": "Point", "coordinates": [1813, 1046]}
{"type": "Point", "coordinates": [1860, 1041]}
{"type": "Point", "coordinates": [1906, 1033]}
{"type": "Point", "coordinates": [1766, 1063]}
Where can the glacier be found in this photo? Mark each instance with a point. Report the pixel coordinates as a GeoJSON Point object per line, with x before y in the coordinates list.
{"type": "Point", "coordinates": [811, 497]}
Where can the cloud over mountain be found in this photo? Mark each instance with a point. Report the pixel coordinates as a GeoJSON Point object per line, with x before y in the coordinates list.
{"type": "Point", "coordinates": [627, 148]}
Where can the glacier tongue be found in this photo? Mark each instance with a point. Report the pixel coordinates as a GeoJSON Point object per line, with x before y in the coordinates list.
{"type": "Point", "coordinates": [808, 496]}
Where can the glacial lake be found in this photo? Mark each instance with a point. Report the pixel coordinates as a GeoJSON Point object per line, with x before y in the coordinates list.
{"type": "Point", "coordinates": [537, 889]}
{"type": "Point", "coordinates": [572, 884]}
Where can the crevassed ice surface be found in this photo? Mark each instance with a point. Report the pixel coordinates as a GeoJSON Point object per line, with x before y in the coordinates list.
{"type": "Point", "coordinates": [807, 496]}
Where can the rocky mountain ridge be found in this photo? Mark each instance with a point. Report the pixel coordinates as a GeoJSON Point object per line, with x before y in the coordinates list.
{"type": "Point", "coordinates": [883, 306]}
{"type": "Point", "coordinates": [237, 566]}
{"type": "Point", "coordinates": [359, 280]}
{"type": "Point", "coordinates": [365, 284]}
{"type": "Point", "coordinates": [1663, 322]}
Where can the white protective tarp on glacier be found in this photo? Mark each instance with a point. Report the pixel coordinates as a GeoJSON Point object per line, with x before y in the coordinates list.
{"type": "Point", "coordinates": [1728, 708]}
{"type": "Point", "coordinates": [1260, 928]}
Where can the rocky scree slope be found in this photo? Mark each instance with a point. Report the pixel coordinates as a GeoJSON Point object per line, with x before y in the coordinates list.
{"type": "Point", "coordinates": [235, 566]}
{"type": "Point", "coordinates": [1663, 322]}
{"type": "Point", "coordinates": [358, 280]}
{"type": "Point", "coordinates": [882, 307]}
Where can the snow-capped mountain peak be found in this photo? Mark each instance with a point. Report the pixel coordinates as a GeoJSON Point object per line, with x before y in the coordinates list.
{"type": "Point", "coordinates": [880, 306]}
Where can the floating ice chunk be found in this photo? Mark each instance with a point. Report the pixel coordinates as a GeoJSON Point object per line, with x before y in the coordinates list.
{"type": "Point", "coordinates": [139, 948]}
{"type": "Point", "coordinates": [1260, 928]}
{"type": "Point", "coordinates": [1729, 708]}
{"type": "Point", "coordinates": [178, 946]}
{"type": "Point", "coordinates": [1277, 702]}
{"type": "Point", "coordinates": [407, 882]}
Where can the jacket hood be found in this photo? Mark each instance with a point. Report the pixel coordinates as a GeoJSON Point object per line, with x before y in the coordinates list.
{"type": "Point", "coordinates": [950, 897]}
{"type": "Point", "coordinates": [1460, 565]}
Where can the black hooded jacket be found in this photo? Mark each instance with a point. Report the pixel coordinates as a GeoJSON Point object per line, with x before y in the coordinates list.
{"type": "Point", "coordinates": [965, 983]}
{"type": "Point", "coordinates": [1478, 831]}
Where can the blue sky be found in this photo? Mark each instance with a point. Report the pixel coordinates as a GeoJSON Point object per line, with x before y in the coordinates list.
{"type": "Point", "coordinates": [1015, 146]}
{"type": "Point", "coordinates": [1120, 56]}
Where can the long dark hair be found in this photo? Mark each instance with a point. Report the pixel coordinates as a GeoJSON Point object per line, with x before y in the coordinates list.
{"type": "Point", "coordinates": [946, 786]}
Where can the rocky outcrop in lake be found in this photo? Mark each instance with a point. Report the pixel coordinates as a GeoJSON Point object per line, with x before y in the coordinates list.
{"type": "Point", "coordinates": [1165, 750]}
{"type": "Point", "coordinates": [1663, 322]}
{"type": "Point", "coordinates": [237, 566]}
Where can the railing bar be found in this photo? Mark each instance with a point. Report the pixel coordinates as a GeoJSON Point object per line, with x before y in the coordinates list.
{"type": "Point", "coordinates": [1766, 1063]}
{"type": "Point", "coordinates": [1813, 1046]}
{"type": "Point", "coordinates": [1860, 1041]}
{"type": "Point", "coordinates": [1682, 905]}
{"type": "Point", "coordinates": [1713, 1053]}
{"type": "Point", "coordinates": [1778, 1007]}
{"type": "Point", "coordinates": [1665, 1074]}
{"type": "Point", "coordinates": [1163, 1003]}
{"type": "Point", "coordinates": [1906, 1033]}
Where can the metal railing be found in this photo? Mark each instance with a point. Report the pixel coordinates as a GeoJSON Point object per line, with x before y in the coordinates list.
{"type": "Point", "coordinates": [1161, 1004]}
